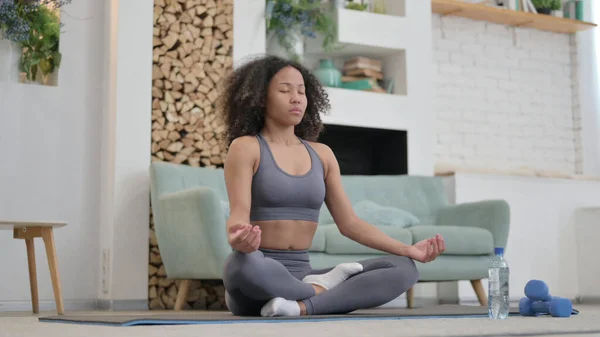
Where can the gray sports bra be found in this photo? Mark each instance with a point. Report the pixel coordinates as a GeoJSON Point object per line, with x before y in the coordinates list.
{"type": "Point", "coordinates": [277, 195]}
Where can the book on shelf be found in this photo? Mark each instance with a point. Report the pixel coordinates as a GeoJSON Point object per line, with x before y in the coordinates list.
{"type": "Point", "coordinates": [363, 73]}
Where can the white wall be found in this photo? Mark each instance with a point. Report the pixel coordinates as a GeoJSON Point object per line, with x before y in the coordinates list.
{"type": "Point", "coordinates": [249, 29]}
{"type": "Point", "coordinates": [126, 127]}
{"type": "Point", "coordinates": [49, 166]}
{"type": "Point", "coordinates": [587, 99]}
{"type": "Point", "coordinates": [80, 152]}
{"type": "Point", "coordinates": [542, 241]}
{"type": "Point", "coordinates": [504, 96]}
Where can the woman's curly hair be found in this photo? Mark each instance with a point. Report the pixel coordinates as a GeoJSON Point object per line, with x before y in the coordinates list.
{"type": "Point", "coordinates": [244, 95]}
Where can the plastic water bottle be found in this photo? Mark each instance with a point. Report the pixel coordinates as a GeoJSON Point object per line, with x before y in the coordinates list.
{"type": "Point", "coordinates": [498, 294]}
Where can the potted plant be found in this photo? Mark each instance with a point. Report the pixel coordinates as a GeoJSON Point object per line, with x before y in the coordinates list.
{"type": "Point", "coordinates": [33, 26]}
{"type": "Point", "coordinates": [289, 22]}
{"type": "Point", "coordinates": [357, 6]}
{"type": "Point", "coordinates": [546, 6]}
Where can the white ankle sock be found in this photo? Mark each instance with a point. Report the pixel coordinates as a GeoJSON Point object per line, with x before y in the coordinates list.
{"type": "Point", "coordinates": [335, 276]}
{"type": "Point", "coordinates": [280, 307]}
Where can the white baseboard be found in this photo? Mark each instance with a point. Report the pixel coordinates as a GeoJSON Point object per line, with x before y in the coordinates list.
{"type": "Point", "coordinates": [587, 300]}
{"type": "Point", "coordinates": [73, 305]}
{"type": "Point", "coordinates": [123, 305]}
{"type": "Point", "coordinates": [77, 305]}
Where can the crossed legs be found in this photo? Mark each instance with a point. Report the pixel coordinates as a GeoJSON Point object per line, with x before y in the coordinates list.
{"type": "Point", "coordinates": [382, 280]}
{"type": "Point", "coordinates": [258, 285]}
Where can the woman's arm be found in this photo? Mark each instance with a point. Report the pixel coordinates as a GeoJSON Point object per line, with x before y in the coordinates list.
{"type": "Point", "coordinates": [239, 168]}
{"type": "Point", "coordinates": [354, 228]}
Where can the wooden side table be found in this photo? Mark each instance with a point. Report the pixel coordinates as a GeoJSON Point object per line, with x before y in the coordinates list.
{"type": "Point", "coordinates": [29, 230]}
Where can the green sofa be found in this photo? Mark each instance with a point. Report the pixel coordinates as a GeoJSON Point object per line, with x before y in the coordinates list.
{"type": "Point", "coordinates": [190, 207]}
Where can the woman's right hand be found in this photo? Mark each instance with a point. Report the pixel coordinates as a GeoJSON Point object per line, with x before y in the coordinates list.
{"type": "Point", "coordinates": [244, 237]}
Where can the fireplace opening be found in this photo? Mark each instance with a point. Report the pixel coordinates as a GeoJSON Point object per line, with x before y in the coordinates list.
{"type": "Point", "coordinates": [367, 151]}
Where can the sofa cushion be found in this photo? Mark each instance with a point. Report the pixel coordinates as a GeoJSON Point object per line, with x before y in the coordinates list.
{"type": "Point", "coordinates": [226, 209]}
{"type": "Point", "coordinates": [318, 243]}
{"type": "Point", "coordinates": [380, 215]}
{"type": "Point", "coordinates": [421, 196]}
{"type": "Point", "coordinates": [459, 240]}
{"type": "Point", "coordinates": [336, 243]}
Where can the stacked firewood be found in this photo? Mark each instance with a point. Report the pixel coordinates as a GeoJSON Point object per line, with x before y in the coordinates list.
{"type": "Point", "coordinates": [192, 53]}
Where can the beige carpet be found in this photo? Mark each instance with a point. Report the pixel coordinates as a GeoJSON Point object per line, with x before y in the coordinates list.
{"type": "Point", "coordinates": [26, 325]}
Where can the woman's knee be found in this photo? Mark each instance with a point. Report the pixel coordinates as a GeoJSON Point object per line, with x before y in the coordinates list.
{"type": "Point", "coordinates": [240, 305]}
{"type": "Point", "coordinates": [412, 272]}
{"type": "Point", "coordinates": [240, 268]}
{"type": "Point", "coordinates": [406, 270]}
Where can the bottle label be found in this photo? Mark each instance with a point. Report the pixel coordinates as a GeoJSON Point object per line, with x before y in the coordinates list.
{"type": "Point", "coordinates": [494, 280]}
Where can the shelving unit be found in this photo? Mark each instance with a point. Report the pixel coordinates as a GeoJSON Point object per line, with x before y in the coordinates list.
{"type": "Point", "coordinates": [509, 17]}
{"type": "Point", "coordinates": [401, 39]}
{"type": "Point", "coordinates": [387, 38]}
{"type": "Point", "coordinates": [356, 32]}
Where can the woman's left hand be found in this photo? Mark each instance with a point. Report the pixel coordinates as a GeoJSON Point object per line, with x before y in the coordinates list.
{"type": "Point", "coordinates": [427, 250]}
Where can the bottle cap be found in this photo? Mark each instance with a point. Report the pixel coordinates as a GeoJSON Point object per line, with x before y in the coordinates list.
{"type": "Point", "coordinates": [499, 251]}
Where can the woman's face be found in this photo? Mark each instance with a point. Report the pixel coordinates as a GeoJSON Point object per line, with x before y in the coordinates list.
{"type": "Point", "coordinates": [286, 97]}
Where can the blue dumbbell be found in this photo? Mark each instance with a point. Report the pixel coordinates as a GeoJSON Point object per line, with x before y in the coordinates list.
{"type": "Point", "coordinates": [539, 301]}
{"type": "Point", "coordinates": [537, 290]}
{"type": "Point", "coordinates": [556, 307]}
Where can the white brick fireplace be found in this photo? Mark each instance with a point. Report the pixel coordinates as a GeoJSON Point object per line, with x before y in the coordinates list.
{"type": "Point", "coordinates": [506, 97]}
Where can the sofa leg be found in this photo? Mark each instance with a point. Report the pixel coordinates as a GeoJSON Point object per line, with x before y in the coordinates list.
{"type": "Point", "coordinates": [182, 294]}
{"type": "Point", "coordinates": [480, 292]}
{"type": "Point", "coordinates": [410, 298]}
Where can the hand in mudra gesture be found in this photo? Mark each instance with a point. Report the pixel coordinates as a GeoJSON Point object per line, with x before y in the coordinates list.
{"type": "Point", "coordinates": [244, 238]}
{"type": "Point", "coordinates": [427, 250]}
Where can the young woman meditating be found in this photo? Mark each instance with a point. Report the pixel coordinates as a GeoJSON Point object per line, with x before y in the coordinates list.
{"type": "Point", "coordinates": [277, 179]}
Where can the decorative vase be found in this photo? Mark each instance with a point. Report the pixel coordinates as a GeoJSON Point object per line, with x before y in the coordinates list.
{"type": "Point", "coordinates": [328, 74]}
{"type": "Point", "coordinates": [10, 56]}
{"type": "Point", "coordinates": [295, 50]}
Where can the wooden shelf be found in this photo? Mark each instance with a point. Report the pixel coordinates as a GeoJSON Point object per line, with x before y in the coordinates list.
{"type": "Point", "coordinates": [370, 109]}
{"type": "Point", "coordinates": [386, 34]}
{"type": "Point", "coordinates": [508, 17]}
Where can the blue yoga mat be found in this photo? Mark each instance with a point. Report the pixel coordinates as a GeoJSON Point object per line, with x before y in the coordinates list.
{"type": "Point", "coordinates": [222, 317]}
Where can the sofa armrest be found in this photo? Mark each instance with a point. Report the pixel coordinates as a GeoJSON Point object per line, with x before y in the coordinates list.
{"type": "Point", "coordinates": [493, 215]}
{"type": "Point", "coordinates": [192, 237]}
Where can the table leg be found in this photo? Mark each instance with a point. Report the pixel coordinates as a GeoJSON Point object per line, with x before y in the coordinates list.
{"type": "Point", "coordinates": [32, 275]}
{"type": "Point", "coordinates": [48, 237]}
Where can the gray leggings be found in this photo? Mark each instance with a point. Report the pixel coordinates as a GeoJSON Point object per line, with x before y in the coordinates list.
{"type": "Point", "coordinates": [251, 280]}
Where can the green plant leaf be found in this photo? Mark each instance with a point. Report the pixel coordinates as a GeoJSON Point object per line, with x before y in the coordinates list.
{"type": "Point", "coordinates": [46, 66]}
{"type": "Point", "coordinates": [550, 4]}
{"type": "Point", "coordinates": [310, 17]}
{"type": "Point", "coordinates": [33, 72]}
{"type": "Point", "coordinates": [57, 58]}
{"type": "Point", "coordinates": [42, 47]}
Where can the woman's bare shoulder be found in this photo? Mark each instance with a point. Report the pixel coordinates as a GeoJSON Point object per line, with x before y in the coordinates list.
{"type": "Point", "coordinates": [322, 149]}
{"type": "Point", "coordinates": [324, 152]}
{"type": "Point", "coordinates": [244, 148]}
{"type": "Point", "coordinates": [244, 143]}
